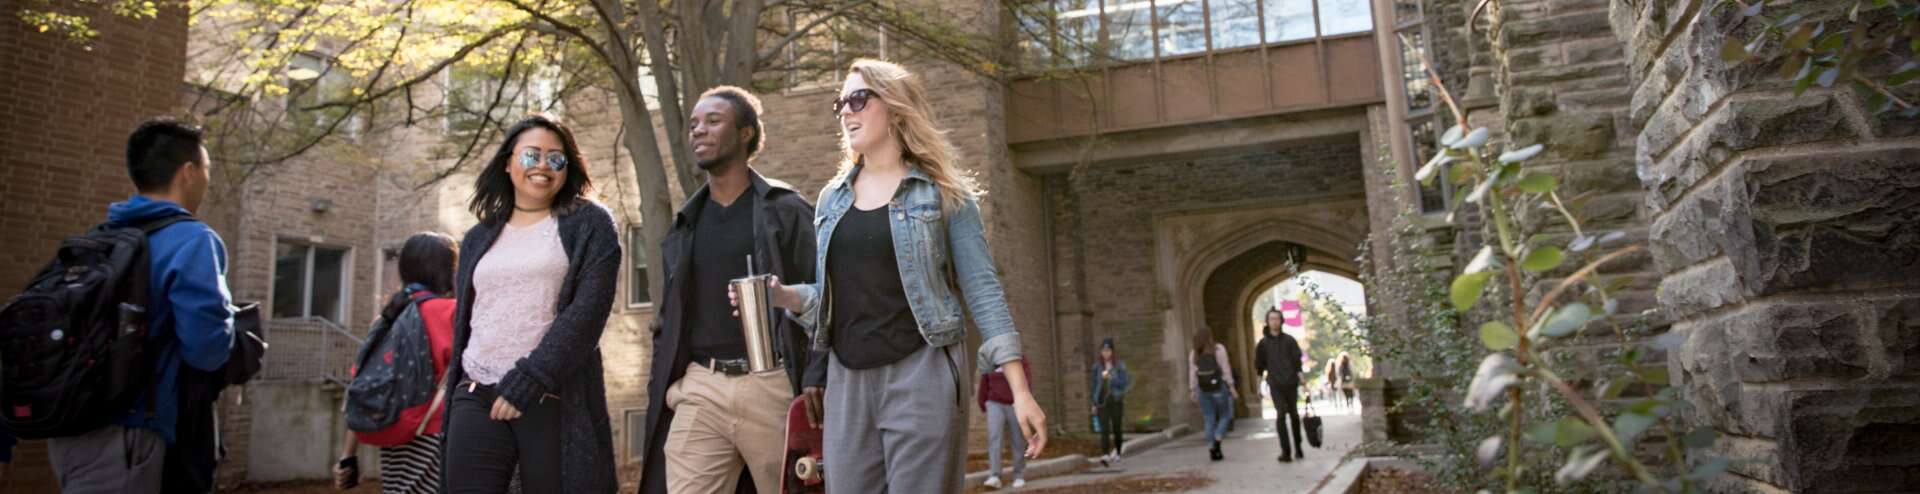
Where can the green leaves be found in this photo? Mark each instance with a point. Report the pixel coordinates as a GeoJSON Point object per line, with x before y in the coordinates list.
{"type": "Point", "coordinates": [1522, 154]}
{"type": "Point", "coordinates": [1467, 288]}
{"type": "Point", "coordinates": [1566, 432]}
{"type": "Point", "coordinates": [1565, 321]}
{"type": "Point", "coordinates": [1498, 336]}
{"type": "Point", "coordinates": [1701, 437]}
{"type": "Point", "coordinates": [1538, 183]}
{"type": "Point", "coordinates": [1629, 426]}
{"type": "Point", "coordinates": [1543, 258]}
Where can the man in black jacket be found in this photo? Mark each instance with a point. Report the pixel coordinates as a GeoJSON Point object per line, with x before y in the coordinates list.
{"type": "Point", "coordinates": [728, 424]}
{"type": "Point", "coordinates": [1278, 356]}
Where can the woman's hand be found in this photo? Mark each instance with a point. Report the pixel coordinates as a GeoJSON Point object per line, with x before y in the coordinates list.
{"type": "Point", "coordinates": [781, 296]}
{"type": "Point", "coordinates": [1033, 422]}
{"type": "Point", "coordinates": [503, 411]}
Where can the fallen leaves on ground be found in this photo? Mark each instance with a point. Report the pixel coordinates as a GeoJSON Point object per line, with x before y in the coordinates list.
{"type": "Point", "coordinates": [1395, 480]}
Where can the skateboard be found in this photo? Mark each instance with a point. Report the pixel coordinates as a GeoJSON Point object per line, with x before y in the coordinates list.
{"type": "Point", "coordinates": [802, 472]}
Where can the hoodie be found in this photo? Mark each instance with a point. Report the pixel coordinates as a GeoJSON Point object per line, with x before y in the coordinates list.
{"type": "Point", "coordinates": [188, 308]}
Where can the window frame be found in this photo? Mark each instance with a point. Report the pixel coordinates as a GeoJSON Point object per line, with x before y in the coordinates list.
{"type": "Point", "coordinates": [636, 285]}
{"type": "Point", "coordinates": [344, 310]}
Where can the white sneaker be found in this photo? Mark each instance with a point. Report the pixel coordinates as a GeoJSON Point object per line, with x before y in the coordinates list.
{"type": "Point", "coordinates": [1019, 482]}
{"type": "Point", "coordinates": [993, 482]}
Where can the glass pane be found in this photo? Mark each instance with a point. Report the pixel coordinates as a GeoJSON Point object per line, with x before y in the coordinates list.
{"type": "Point", "coordinates": [1129, 30]}
{"type": "Point", "coordinates": [637, 262]}
{"type": "Point", "coordinates": [1289, 20]}
{"type": "Point", "coordinates": [1032, 36]}
{"type": "Point", "coordinates": [1079, 23]}
{"type": "Point", "coordinates": [329, 284]}
{"type": "Point", "coordinates": [289, 280]}
{"type": "Point", "coordinates": [1182, 27]}
{"type": "Point", "coordinates": [1406, 10]}
{"type": "Point", "coordinates": [1236, 23]}
{"type": "Point", "coordinates": [1345, 16]}
{"type": "Point", "coordinates": [1433, 197]}
{"type": "Point", "coordinates": [1414, 71]}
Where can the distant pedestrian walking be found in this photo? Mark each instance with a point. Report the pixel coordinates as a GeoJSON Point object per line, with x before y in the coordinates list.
{"type": "Point", "coordinates": [1110, 383]}
{"type": "Point", "coordinates": [1278, 356]}
{"type": "Point", "coordinates": [1212, 386]}
{"type": "Point", "coordinates": [410, 443]}
{"type": "Point", "coordinates": [995, 398]}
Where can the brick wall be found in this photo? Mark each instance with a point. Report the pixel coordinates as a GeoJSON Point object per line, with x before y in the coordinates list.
{"type": "Point", "coordinates": [1104, 250]}
{"type": "Point", "coordinates": [71, 112]}
{"type": "Point", "coordinates": [1784, 232]}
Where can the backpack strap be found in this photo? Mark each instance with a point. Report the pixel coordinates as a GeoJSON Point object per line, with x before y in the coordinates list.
{"type": "Point", "coordinates": [439, 396]}
{"type": "Point", "coordinates": [155, 225]}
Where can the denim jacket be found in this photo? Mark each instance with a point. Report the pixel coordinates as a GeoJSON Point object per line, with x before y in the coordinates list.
{"type": "Point", "coordinates": [937, 251]}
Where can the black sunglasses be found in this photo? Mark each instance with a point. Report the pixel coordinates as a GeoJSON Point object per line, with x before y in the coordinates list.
{"type": "Point", "coordinates": [856, 101]}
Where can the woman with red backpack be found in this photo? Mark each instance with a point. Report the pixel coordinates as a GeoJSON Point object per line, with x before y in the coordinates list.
{"type": "Point", "coordinates": [410, 446]}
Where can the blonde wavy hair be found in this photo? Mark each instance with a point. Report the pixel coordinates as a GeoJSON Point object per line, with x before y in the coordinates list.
{"type": "Point", "coordinates": [923, 144]}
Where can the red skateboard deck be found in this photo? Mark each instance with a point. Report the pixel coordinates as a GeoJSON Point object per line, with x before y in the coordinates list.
{"type": "Point", "coordinates": [802, 472]}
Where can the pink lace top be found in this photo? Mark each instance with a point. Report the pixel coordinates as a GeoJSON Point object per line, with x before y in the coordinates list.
{"type": "Point", "coordinates": [515, 288]}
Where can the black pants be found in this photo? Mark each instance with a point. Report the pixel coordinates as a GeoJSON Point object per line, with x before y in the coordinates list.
{"type": "Point", "coordinates": [1111, 415]}
{"type": "Point", "coordinates": [482, 453]}
{"type": "Point", "coordinates": [1284, 397]}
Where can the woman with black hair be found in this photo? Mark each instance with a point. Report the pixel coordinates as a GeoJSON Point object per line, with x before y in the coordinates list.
{"type": "Point", "coordinates": [534, 292]}
{"type": "Point", "coordinates": [410, 450]}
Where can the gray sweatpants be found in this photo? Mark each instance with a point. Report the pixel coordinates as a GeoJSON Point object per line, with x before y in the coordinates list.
{"type": "Point", "coordinates": [1001, 423]}
{"type": "Point", "coordinates": [900, 427]}
{"type": "Point", "coordinates": [109, 460]}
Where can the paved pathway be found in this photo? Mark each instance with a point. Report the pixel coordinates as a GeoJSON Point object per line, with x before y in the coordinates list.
{"type": "Point", "coordinates": [1250, 466]}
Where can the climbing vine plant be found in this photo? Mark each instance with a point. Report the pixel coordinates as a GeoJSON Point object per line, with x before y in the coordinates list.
{"type": "Point", "coordinates": [1867, 44]}
{"type": "Point", "coordinates": [1594, 422]}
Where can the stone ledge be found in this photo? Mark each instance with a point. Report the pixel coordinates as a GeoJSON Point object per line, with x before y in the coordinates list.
{"type": "Point", "coordinates": [1073, 463]}
{"type": "Point", "coordinates": [1346, 478]}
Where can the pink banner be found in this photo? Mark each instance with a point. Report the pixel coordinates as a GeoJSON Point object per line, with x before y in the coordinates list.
{"type": "Point", "coordinates": [1290, 305]}
{"type": "Point", "coordinates": [1293, 321]}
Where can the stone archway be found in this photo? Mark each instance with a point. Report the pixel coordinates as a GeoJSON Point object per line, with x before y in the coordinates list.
{"type": "Point", "coordinates": [1211, 266]}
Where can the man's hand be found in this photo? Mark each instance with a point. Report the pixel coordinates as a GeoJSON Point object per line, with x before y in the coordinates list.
{"type": "Point", "coordinates": [816, 399]}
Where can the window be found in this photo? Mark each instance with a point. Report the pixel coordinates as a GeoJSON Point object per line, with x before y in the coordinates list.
{"type": "Point", "coordinates": [1433, 197]}
{"type": "Point", "coordinates": [1345, 16]}
{"type": "Point", "coordinates": [312, 81]}
{"type": "Point", "coordinates": [637, 294]}
{"type": "Point", "coordinates": [1413, 70]}
{"type": "Point", "coordinates": [1236, 23]}
{"type": "Point", "coordinates": [821, 56]}
{"type": "Point", "coordinates": [636, 425]}
{"type": "Point", "coordinates": [1182, 27]}
{"type": "Point", "coordinates": [309, 281]}
{"type": "Point", "coordinates": [1079, 25]}
{"type": "Point", "coordinates": [471, 93]}
{"type": "Point", "coordinates": [1289, 20]}
{"type": "Point", "coordinates": [1130, 29]}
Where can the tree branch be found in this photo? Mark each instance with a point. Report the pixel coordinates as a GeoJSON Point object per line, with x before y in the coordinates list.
{"type": "Point", "coordinates": [774, 51]}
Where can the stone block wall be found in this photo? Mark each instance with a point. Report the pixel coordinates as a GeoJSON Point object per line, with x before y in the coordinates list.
{"type": "Point", "coordinates": [1104, 252]}
{"type": "Point", "coordinates": [1786, 235]}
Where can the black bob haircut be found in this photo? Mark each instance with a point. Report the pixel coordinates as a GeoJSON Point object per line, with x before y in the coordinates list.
{"type": "Point", "coordinates": [493, 188]}
{"type": "Point", "coordinates": [746, 107]}
{"type": "Point", "coordinates": [156, 150]}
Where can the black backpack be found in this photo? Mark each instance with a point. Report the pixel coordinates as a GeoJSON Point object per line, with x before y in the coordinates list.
{"type": "Point", "coordinates": [1207, 369]}
{"type": "Point", "coordinates": [393, 372]}
{"type": "Point", "coordinates": [75, 351]}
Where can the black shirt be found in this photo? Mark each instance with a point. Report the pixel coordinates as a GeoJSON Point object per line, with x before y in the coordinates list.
{"type": "Point", "coordinates": [872, 324]}
{"type": "Point", "coordinates": [722, 240]}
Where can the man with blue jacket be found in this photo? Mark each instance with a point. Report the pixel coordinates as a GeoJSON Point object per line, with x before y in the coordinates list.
{"type": "Point", "coordinates": [192, 319]}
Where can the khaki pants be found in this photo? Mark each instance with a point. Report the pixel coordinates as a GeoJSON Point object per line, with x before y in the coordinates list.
{"type": "Point", "coordinates": [724, 423]}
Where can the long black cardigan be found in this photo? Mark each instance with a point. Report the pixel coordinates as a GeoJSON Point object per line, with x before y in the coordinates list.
{"type": "Point", "coordinates": [567, 362]}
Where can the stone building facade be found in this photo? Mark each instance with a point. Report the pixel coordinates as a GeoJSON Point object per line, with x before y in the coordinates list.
{"type": "Point", "coordinates": [1157, 195]}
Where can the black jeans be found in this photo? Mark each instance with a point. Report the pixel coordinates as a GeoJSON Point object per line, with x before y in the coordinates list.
{"type": "Point", "coordinates": [1284, 397]}
{"type": "Point", "coordinates": [483, 453]}
{"type": "Point", "coordinates": [1111, 416]}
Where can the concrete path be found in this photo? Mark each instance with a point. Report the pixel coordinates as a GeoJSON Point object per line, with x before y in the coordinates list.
{"type": "Point", "coordinates": [1251, 465]}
